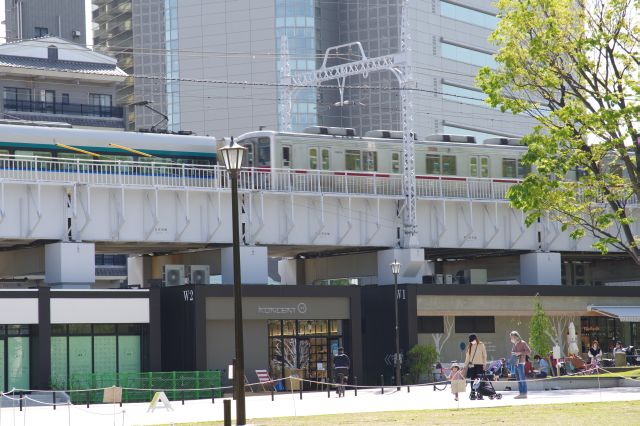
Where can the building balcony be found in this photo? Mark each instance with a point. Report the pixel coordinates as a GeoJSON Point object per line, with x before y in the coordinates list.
{"type": "Point", "coordinates": [75, 114]}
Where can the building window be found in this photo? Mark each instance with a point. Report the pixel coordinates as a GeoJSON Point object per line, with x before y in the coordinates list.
{"type": "Point", "coordinates": [470, 16]}
{"type": "Point", "coordinates": [79, 350]}
{"type": "Point", "coordinates": [101, 104]}
{"type": "Point", "coordinates": [475, 325]}
{"type": "Point", "coordinates": [467, 55]}
{"type": "Point", "coordinates": [17, 99]}
{"type": "Point", "coordinates": [465, 96]}
{"type": "Point", "coordinates": [14, 357]}
{"type": "Point", "coordinates": [430, 324]}
{"type": "Point", "coordinates": [41, 31]}
{"type": "Point", "coordinates": [52, 53]}
{"type": "Point", "coordinates": [65, 99]}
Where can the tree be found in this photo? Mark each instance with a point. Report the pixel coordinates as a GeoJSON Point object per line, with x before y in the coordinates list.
{"type": "Point", "coordinates": [573, 65]}
{"type": "Point", "coordinates": [439, 339]}
{"type": "Point", "coordinates": [539, 329]}
{"type": "Point", "coordinates": [421, 360]}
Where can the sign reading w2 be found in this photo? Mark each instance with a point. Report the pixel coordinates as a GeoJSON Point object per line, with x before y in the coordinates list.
{"type": "Point", "coordinates": [188, 295]}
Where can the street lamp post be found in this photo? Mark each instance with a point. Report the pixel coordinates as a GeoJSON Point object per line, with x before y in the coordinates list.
{"type": "Point", "coordinates": [232, 155]}
{"type": "Point", "coordinates": [395, 269]}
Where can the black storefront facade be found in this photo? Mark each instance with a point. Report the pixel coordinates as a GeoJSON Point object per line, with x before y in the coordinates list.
{"type": "Point", "coordinates": [288, 330]}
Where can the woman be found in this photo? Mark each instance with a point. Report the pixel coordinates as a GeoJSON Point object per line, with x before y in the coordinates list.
{"type": "Point", "coordinates": [595, 353]}
{"type": "Point", "coordinates": [520, 350]}
{"type": "Point", "coordinates": [474, 362]}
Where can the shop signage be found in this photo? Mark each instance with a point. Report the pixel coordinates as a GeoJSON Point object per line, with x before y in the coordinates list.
{"type": "Point", "coordinates": [300, 308]}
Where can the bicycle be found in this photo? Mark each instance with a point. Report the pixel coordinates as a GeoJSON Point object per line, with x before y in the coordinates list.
{"type": "Point", "coordinates": [342, 374]}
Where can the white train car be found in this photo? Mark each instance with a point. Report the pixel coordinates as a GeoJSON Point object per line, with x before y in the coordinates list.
{"type": "Point", "coordinates": [338, 149]}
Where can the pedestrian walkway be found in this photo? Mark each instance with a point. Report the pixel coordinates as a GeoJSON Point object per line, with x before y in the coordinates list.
{"type": "Point", "coordinates": [290, 404]}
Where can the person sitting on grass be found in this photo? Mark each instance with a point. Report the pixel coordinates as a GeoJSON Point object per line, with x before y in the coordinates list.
{"type": "Point", "coordinates": [458, 382]}
{"type": "Point", "coordinates": [543, 367]}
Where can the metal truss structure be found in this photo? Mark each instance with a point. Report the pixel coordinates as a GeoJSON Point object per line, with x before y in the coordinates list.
{"type": "Point", "coordinates": [400, 65]}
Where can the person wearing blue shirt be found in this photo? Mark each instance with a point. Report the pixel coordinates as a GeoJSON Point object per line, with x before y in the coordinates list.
{"type": "Point", "coordinates": [543, 367]}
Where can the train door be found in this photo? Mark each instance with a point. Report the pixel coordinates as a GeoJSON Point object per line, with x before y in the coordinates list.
{"type": "Point", "coordinates": [479, 166]}
{"type": "Point", "coordinates": [319, 158]}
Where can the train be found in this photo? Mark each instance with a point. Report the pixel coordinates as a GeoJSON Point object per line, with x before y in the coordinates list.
{"type": "Point", "coordinates": [380, 151]}
{"type": "Point", "coordinates": [55, 141]}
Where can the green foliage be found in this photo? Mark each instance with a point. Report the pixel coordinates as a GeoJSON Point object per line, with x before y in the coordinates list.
{"type": "Point", "coordinates": [539, 329]}
{"type": "Point", "coordinates": [421, 360]}
{"type": "Point", "coordinates": [575, 67]}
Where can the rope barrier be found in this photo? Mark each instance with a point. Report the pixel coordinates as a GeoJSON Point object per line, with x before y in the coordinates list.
{"type": "Point", "coordinates": [585, 373]}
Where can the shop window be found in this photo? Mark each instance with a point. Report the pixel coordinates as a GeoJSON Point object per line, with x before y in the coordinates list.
{"type": "Point", "coordinates": [475, 324]}
{"type": "Point", "coordinates": [430, 324]}
{"type": "Point", "coordinates": [18, 362]}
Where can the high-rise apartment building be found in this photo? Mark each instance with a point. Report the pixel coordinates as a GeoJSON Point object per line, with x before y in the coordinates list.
{"type": "Point", "coordinates": [25, 19]}
{"type": "Point", "coordinates": [213, 66]}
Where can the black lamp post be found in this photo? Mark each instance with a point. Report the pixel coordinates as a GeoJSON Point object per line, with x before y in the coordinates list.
{"type": "Point", "coordinates": [395, 269]}
{"type": "Point", "coordinates": [232, 155]}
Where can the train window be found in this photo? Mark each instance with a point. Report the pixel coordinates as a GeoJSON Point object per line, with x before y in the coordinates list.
{"type": "Point", "coordinates": [433, 164]}
{"type": "Point", "coordinates": [514, 168]}
{"type": "Point", "coordinates": [523, 169]}
{"type": "Point", "coordinates": [286, 156]}
{"type": "Point", "coordinates": [481, 169]}
{"type": "Point", "coordinates": [484, 167]}
{"type": "Point", "coordinates": [34, 153]}
{"type": "Point", "coordinates": [509, 169]}
{"type": "Point", "coordinates": [473, 166]}
{"type": "Point", "coordinates": [249, 154]}
{"type": "Point", "coordinates": [370, 160]}
{"type": "Point", "coordinates": [395, 162]}
{"type": "Point", "coordinates": [352, 160]}
{"type": "Point", "coordinates": [264, 152]}
{"type": "Point", "coordinates": [449, 165]}
{"type": "Point", "coordinates": [326, 165]}
{"type": "Point", "coordinates": [313, 158]}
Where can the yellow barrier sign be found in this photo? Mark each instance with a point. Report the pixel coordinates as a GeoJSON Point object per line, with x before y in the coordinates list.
{"type": "Point", "coordinates": [159, 397]}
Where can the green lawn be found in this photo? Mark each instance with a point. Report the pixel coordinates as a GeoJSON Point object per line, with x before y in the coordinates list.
{"type": "Point", "coordinates": [553, 414]}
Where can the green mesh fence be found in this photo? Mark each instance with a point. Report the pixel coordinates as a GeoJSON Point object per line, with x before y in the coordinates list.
{"type": "Point", "coordinates": [140, 387]}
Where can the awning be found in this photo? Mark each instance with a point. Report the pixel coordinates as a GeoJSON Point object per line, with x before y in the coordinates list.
{"type": "Point", "coordinates": [623, 313]}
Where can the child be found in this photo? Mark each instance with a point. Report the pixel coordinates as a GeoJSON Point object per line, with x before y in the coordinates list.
{"type": "Point", "coordinates": [458, 382]}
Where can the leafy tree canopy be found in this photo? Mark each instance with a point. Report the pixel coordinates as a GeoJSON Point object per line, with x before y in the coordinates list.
{"type": "Point", "coordinates": [573, 65]}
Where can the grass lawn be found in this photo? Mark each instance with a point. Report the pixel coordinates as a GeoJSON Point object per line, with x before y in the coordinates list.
{"type": "Point", "coordinates": [553, 414]}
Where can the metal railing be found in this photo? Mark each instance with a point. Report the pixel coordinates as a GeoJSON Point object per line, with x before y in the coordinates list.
{"type": "Point", "coordinates": [63, 108]}
{"type": "Point", "coordinates": [198, 177]}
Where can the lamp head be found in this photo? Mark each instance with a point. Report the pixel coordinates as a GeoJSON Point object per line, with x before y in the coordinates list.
{"type": "Point", "coordinates": [395, 267]}
{"type": "Point", "coordinates": [233, 154]}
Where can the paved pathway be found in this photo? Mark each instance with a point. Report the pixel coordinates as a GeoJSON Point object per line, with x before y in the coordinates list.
{"type": "Point", "coordinates": [287, 404]}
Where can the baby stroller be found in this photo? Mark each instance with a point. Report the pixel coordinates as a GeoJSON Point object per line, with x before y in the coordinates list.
{"type": "Point", "coordinates": [483, 387]}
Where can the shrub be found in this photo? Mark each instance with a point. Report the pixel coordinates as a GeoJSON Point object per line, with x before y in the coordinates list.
{"type": "Point", "coordinates": [421, 360]}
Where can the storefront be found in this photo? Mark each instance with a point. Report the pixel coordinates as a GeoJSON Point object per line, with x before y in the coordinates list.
{"type": "Point", "coordinates": [304, 347]}
{"type": "Point", "coordinates": [78, 350]}
{"type": "Point", "coordinates": [288, 330]}
{"type": "Point", "coordinates": [15, 348]}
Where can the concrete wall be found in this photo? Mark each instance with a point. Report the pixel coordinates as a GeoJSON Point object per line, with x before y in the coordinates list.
{"type": "Point", "coordinates": [221, 348]}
